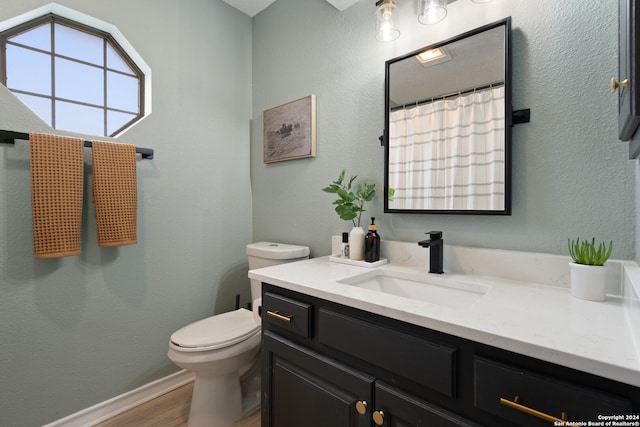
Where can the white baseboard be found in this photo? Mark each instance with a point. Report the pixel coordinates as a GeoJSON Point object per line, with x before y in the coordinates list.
{"type": "Point", "coordinates": [117, 405]}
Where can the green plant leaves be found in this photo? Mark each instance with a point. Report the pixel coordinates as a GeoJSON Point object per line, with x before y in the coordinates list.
{"type": "Point", "coordinates": [367, 192]}
{"type": "Point", "coordinates": [587, 253]}
{"type": "Point", "coordinates": [333, 188]}
{"type": "Point", "coordinates": [350, 205]}
{"type": "Point", "coordinates": [347, 211]}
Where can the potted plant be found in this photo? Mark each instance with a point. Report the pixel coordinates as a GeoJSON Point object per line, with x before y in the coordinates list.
{"type": "Point", "coordinates": [588, 272]}
{"type": "Point", "coordinates": [349, 207]}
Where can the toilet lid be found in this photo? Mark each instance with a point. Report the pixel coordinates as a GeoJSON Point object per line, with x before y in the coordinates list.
{"type": "Point", "coordinates": [217, 331]}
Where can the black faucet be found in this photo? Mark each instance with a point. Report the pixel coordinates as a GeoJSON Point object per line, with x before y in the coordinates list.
{"type": "Point", "coordinates": [436, 253]}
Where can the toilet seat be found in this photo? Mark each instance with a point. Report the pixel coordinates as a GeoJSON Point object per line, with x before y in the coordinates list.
{"type": "Point", "coordinates": [216, 332]}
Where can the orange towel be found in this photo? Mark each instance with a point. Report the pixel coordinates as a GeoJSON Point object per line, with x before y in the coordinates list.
{"type": "Point", "coordinates": [115, 193]}
{"type": "Point", "coordinates": [56, 194]}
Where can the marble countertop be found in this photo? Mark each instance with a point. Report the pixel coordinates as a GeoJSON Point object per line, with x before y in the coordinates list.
{"type": "Point", "coordinates": [537, 320]}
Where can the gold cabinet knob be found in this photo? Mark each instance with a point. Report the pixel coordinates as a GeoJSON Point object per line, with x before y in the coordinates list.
{"type": "Point", "coordinates": [378, 417]}
{"type": "Point", "coordinates": [361, 407]}
{"type": "Point", "coordinates": [616, 84]}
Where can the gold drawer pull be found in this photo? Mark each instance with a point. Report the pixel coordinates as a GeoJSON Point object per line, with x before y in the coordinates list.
{"type": "Point", "coordinates": [361, 407]}
{"type": "Point", "coordinates": [279, 316]}
{"type": "Point", "coordinates": [378, 418]}
{"type": "Point", "coordinates": [517, 406]}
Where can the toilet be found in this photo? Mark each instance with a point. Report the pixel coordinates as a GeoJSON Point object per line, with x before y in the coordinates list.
{"type": "Point", "coordinates": [223, 350]}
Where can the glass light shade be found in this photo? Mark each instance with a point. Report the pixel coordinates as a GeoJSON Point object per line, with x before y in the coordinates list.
{"type": "Point", "coordinates": [432, 11]}
{"type": "Point", "coordinates": [387, 22]}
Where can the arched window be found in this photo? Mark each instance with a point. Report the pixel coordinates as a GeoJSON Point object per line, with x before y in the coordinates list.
{"type": "Point", "coordinates": [74, 76]}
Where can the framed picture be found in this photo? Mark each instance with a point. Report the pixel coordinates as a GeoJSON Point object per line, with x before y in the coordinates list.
{"type": "Point", "coordinates": [290, 130]}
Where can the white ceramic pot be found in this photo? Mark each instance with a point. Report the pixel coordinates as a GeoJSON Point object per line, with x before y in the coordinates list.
{"type": "Point", "coordinates": [356, 243]}
{"type": "Point", "coordinates": [588, 282]}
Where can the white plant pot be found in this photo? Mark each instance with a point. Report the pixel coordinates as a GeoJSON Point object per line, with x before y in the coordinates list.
{"type": "Point", "coordinates": [588, 282]}
{"type": "Point", "coordinates": [356, 243]}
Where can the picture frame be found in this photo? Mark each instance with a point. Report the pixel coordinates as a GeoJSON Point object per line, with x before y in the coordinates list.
{"type": "Point", "coordinates": [289, 130]}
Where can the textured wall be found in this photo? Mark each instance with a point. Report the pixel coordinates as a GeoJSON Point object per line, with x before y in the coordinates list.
{"type": "Point", "coordinates": [571, 174]}
{"type": "Point", "coordinates": [78, 331]}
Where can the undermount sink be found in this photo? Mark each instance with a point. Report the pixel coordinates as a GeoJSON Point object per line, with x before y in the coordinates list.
{"type": "Point", "coordinates": [438, 290]}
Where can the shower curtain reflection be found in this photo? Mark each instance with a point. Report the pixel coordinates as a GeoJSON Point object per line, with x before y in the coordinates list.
{"type": "Point", "coordinates": [449, 153]}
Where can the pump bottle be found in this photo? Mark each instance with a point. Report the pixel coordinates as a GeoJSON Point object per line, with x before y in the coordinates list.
{"type": "Point", "coordinates": [372, 243]}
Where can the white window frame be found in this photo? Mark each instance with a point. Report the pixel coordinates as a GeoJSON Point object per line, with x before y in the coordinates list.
{"type": "Point", "coordinates": [65, 12]}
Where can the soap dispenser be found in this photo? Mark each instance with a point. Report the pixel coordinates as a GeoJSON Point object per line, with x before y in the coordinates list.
{"type": "Point", "coordinates": [372, 243]}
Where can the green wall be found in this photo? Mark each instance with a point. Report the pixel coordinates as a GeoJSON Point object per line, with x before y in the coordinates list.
{"type": "Point", "coordinates": [571, 176]}
{"type": "Point", "coordinates": [78, 331]}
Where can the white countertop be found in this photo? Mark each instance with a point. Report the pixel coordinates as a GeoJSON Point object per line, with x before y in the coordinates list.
{"type": "Point", "coordinates": [537, 320]}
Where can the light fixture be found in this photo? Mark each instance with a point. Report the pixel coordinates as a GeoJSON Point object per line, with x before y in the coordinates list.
{"type": "Point", "coordinates": [432, 11]}
{"type": "Point", "coordinates": [388, 16]}
{"type": "Point", "coordinates": [387, 21]}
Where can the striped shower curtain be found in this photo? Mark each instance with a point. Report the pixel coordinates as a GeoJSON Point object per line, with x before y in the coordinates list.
{"type": "Point", "coordinates": [449, 154]}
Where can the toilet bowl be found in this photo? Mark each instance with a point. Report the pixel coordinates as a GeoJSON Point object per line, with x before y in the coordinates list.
{"type": "Point", "coordinates": [216, 349]}
{"type": "Point", "coordinates": [223, 348]}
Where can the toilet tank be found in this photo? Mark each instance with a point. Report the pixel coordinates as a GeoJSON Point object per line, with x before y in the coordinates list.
{"type": "Point", "coordinates": [265, 254]}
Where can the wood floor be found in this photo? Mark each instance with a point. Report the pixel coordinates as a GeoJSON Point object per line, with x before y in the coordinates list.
{"type": "Point", "coordinates": [168, 410]}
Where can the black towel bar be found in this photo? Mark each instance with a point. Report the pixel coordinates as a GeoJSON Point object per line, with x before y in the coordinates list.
{"type": "Point", "coordinates": [9, 137]}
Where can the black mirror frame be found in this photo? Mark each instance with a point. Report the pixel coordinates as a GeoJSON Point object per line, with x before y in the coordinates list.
{"type": "Point", "coordinates": [509, 122]}
{"type": "Point", "coordinates": [629, 71]}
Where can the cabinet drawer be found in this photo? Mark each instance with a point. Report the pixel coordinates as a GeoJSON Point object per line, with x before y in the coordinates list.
{"type": "Point", "coordinates": [419, 360]}
{"type": "Point", "coordinates": [495, 381]}
{"type": "Point", "coordinates": [287, 314]}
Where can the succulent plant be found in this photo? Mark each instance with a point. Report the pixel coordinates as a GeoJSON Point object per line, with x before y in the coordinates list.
{"type": "Point", "coordinates": [587, 253]}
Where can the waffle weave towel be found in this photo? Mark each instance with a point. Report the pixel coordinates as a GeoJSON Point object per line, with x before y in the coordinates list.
{"type": "Point", "coordinates": [115, 193]}
{"type": "Point", "coordinates": [56, 194]}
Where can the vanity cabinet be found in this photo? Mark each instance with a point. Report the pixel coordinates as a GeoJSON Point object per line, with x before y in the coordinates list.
{"type": "Point", "coordinates": [309, 389]}
{"type": "Point", "coordinates": [325, 364]}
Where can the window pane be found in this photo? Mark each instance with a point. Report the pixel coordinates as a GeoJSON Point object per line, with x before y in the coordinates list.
{"type": "Point", "coordinates": [28, 70]}
{"type": "Point", "coordinates": [40, 106]}
{"type": "Point", "coordinates": [122, 92]}
{"type": "Point", "coordinates": [79, 82]}
{"type": "Point", "coordinates": [39, 37]}
{"type": "Point", "coordinates": [67, 72]}
{"type": "Point", "coordinates": [79, 118]}
{"type": "Point", "coordinates": [79, 45]}
{"type": "Point", "coordinates": [116, 120]}
{"type": "Point", "coordinates": [115, 61]}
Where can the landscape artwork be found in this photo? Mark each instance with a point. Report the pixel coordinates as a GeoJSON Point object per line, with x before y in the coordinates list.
{"type": "Point", "coordinates": [290, 130]}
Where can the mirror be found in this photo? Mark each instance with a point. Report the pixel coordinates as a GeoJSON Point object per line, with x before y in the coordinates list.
{"type": "Point", "coordinates": [448, 125]}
